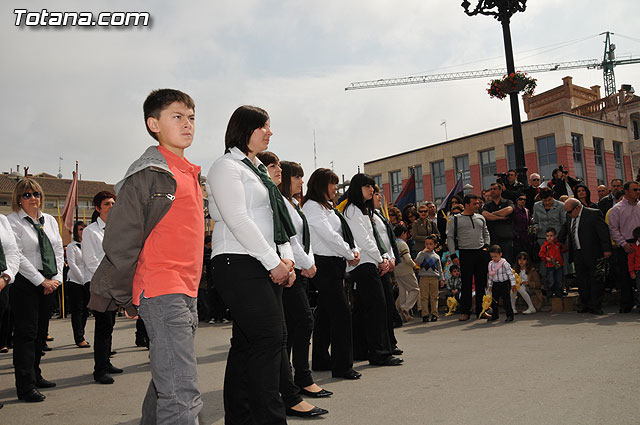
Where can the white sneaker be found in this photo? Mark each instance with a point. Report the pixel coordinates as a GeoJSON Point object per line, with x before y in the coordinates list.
{"type": "Point", "coordinates": [212, 321]}
{"type": "Point", "coordinates": [529, 311]}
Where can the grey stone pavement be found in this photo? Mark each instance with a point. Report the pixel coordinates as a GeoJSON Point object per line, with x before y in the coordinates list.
{"type": "Point", "coordinates": [566, 368]}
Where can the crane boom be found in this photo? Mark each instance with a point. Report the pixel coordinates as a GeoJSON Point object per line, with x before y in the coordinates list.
{"type": "Point", "coordinates": [495, 72]}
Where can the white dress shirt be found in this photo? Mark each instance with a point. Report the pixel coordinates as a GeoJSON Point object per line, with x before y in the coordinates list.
{"type": "Point", "coordinates": [77, 270]}
{"type": "Point", "coordinates": [575, 235]}
{"type": "Point", "coordinates": [27, 240]}
{"type": "Point", "coordinates": [326, 232]}
{"type": "Point", "coordinates": [360, 225]}
{"type": "Point", "coordinates": [303, 260]}
{"type": "Point", "coordinates": [10, 248]}
{"type": "Point", "coordinates": [240, 207]}
{"type": "Point", "coordinates": [92, 252]}
{"type": "Point", "coordinates": [382, 231]}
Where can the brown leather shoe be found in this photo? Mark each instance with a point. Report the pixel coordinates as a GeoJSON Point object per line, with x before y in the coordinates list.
{"type": "Point", "coordinates": [464, 317]}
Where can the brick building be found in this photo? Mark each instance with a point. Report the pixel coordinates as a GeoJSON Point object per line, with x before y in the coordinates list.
{"type": "Point", "coordinates": [561, 129]}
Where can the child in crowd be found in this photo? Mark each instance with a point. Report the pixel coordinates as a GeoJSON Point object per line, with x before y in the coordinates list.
{"type": "Point", "coordinates": [501, 279]}
{"type": "Point", "coordinates": [430, 279]}
{"type": "Point", "coordinates": [405, 277]}
{"type": "Point", "coordinates": [551, 254]}
{"type": "Point", "coordinates": [634, 262]}
{"type": "Point", "coordinates": [524, 270]}
{"type": "Point", "coordinates": [454, 283]}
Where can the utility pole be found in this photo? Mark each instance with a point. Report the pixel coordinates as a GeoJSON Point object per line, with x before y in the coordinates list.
{"type": "Point", "coordinates": [315, 157]}
{"type": "Point", "coordinates": [444, 122]}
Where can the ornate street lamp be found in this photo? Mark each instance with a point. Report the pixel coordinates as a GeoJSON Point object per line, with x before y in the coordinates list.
{"type": "Point", "coordinates": [502, 10]}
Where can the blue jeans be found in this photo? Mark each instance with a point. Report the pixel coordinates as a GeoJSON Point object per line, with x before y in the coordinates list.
{"type": "Point", "coordinates": [173, 396]}
{"type": "Point", "coordinates": [554, 279]}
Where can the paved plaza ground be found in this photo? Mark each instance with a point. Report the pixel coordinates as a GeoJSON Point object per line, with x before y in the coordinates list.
{"type": "Point", "coordinates": [546, 368]}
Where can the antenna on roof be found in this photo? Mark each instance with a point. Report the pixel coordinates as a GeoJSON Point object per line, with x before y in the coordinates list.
{"type": "Point", "coordinates": [60, 167]}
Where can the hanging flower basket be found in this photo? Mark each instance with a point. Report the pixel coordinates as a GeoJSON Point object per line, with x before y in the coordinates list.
{"type": "Point", "coordinates": [515, 82]}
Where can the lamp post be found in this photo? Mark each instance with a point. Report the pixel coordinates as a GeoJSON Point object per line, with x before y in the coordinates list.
{"type": "Point", "coordinates": [502, 10]}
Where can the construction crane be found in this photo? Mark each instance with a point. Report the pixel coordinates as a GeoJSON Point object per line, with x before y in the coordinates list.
{"type": "Point", "coordinates": [606, 64]}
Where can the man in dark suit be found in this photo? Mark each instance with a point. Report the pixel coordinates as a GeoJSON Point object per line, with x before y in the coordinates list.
{"type": "Point", "coordinates": [588, 237]}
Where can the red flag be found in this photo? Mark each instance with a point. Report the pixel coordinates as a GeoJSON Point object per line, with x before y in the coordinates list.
{"type": "Point", "coordinates": [70, 203]}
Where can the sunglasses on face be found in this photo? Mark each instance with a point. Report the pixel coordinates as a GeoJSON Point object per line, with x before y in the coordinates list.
{"type": "Point", "coordinates": [422, 211]}
{"type": "Point", "coordinates": [535, 180]}
{"type": "Point", "coordinates": [522, 199]}
{"type": "Point", "coordinates": [28, 195]}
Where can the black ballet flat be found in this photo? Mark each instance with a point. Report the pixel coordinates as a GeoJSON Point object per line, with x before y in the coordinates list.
{"type": "Point", "coordinates": [318, 394]}
{"type": "Point", "coordinates": [316, 411]}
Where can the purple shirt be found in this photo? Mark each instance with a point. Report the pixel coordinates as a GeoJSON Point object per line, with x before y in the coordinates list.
{"type": "Point", "coordinates": [623, 218]}
{"type": "Point", "coordinates": [521, 223]}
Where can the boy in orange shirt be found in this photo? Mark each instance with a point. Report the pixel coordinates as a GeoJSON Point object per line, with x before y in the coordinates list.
{"type": "Point", "coordinates": [153, 247]}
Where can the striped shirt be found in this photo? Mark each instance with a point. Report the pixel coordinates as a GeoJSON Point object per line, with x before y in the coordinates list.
{"type": "Point", "coordinates": [501, 272]}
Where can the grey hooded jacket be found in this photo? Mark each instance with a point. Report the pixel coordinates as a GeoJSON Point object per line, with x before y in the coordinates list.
{"type": "Point", "coordinates": [145, 195]}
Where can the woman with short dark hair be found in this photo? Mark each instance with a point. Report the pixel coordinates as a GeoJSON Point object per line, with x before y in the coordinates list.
{"type": "Point", "coordinates": [333, 247]}
{"type": "Point", "coordinates": [40, 274]}
{"type": "Point", "coordinates": [251, 260]}
{"type": "Point", "coordinates": [369, 309]}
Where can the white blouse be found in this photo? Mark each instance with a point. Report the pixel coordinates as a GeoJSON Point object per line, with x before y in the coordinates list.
{"type": "Point", "coordinates": [326, 232]}
{"type": "Point", "coordinates": [382, 231]}
{"type": "Point", "coordinates": [27, 240]}
{"type": "Point", "coordinates": [10, 248]}
{"type": "Point", "coordinates": [77, 270]}
{"type": "Point", "coordinates": [92, 251]}
{"type": "Point", "coordinates": [360, 225]}
{"type": "Point", "coordinates": [303, 260]}
{"type": "Point", "coordinates": [240, 207]}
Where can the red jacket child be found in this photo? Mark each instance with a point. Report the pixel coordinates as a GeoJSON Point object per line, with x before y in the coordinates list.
{"type": "Point", "coordinates": [553, 250]}
{"type": "Point", "coordinates": [634, 259]}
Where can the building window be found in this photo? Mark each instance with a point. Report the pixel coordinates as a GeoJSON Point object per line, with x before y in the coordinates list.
{"type": "Point", "coordinates": [378, 179]}
{"type": "Point", "coordinates": [417, 171]}
{"type": "Point", "coordinates": [636, 130]}
{"type": "Point", "coordinates": [547, 156]}
{"type": "Point", "coordinates": [598, 153]}
{"type": "Point", "coordinates": [511, 156]}
{"type": "Point", "coordinates": [396, 184]}
{"type": "Point", "coordinates": [462, 168]}
{"type": "Point", "coordinates": [488, 167]}
{"type": "Point", "coordinates": [617, 156]}
{"type": "Point", "coordinates": [439, 181]}
{"type": "Point", "coordinates": [576, 141]}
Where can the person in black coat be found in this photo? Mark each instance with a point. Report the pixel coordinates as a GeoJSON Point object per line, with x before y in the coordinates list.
{"type": "Point", "coordinates": [562, 182]}
{"type": "Point", "coordinates": [588, 238]}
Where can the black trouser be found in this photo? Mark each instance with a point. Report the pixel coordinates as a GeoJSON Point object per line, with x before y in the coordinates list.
{"type": "Point", "coordinates": [31, 312]}
{"type": "Point", "coordinates": [626, 283]}
{"type": "Point", "coordinates": [473, 266]}
{"type": "Point", "coordinates": [142, 338]}
{"type": "Point", "coordinates": [254, 364]}
{"type": "Point", "coordinates": [104, 322]}
{"type": "Point", "coordinates": [387, 287]}
{"type": "Point", "coordinates": [216, 304]}
{"type": "Point", "coordinates": [299, 319]}
{"type": "Point", "coordinates": [5, 312]}
{"type": "Point", "coordinates": [78, 300]}
{"type": "Point", "coordinates": [370, 312]}
{"type": "Point", "coordinates": [501, 290]}
{"type": "Point", "coordinates": [332, 325]}
{"type": "Point", "coordinates": [590, 289]}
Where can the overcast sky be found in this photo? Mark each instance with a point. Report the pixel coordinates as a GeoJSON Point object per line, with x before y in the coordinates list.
{"type": "Point", "coordinates": [77, 93]}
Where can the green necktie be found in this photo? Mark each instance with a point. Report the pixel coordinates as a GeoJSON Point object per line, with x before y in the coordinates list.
{"type": "Point", "coordinates": [346, 231]}
{"type": "Point", "coordinates": [3, 259]}
{"type": "Point", "coordinates": [306, 237]}
{"type": "Point", "coordinates": [49, 268]}
{"type": "Point", "coordinates": [390, 235]}
{"type": "Point", "coordinates": [283, 228]}
{"type": "Point", "coordinates": [381, 247]}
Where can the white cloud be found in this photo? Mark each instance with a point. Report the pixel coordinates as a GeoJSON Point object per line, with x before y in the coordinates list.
{"type": "Point", "coordinates": [78, 93]}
